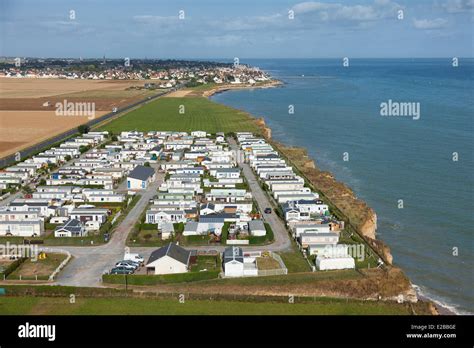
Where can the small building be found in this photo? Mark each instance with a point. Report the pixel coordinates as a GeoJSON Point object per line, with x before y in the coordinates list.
{"type": "Point", "coordinates": [167, 230]}
{"type": "Point", "coordinates": [233, 259]}
{"type": "Point", "coordinates": [207, 208]}
{"type": "Point", "coordinates": [72, 228]}
{"type": "Point", "coordinates": [308, 238]}
{"type": "Point", "coordinates": [325, 262]}
{"type": "Point", "coordinates": [194, 228]}
{"type": "Point", "coordinates": [257, 228]}
{"type": "Point", "coordinates": [140, 177]}
{"type": "Point", "coordinates": [27, 228]}
{"type": "Point", "coordinates": [169, 259]}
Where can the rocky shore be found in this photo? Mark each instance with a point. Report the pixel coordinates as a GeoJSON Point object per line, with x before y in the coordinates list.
{"type": "Point", "coordinates": [227, 87]}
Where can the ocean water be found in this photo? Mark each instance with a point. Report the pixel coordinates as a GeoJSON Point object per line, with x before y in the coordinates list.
{"type": "Point", "coordinates": [337, 111]}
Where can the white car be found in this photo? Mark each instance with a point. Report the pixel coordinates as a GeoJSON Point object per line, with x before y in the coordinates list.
{"type": "Point", "coordinates": [133, 257]}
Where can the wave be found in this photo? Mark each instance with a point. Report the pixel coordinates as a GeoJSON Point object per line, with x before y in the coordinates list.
{"type": "Point", "coordinates": [423, 292]}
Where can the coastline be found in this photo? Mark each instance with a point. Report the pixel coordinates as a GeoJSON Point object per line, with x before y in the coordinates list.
{"type": "Point", "coordinates": [228, 87]}
{"type": "Point", "coordinates": [341, 198]}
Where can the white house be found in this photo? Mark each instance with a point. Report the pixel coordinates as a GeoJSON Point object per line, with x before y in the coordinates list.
{"type": "Point", "coordinates": [329, 238]}
{"type": "Point", "coordinates": [257, 228]}
{"type": "Point", "coordinates": [29, 228]}
{"type": "Point", "coordinates": [169, 259]}
{"type": "Point", "coordinates": [313, 228]}
{"type": "Point", "coordinates": [140, 177]}
{"type": "Point", "coordinates": [198, 134]}
{"type": "Point", "coordinates": [233, 259]}
{"type": "Point", "coordinates": [167, 230]}
{"type": "Point", "coordinates": [207, 208]}
{"type": "Point", "coordinates": [225, 173]}
{"type": "Point", "coordinates": [72, 228]}
{"type": "Point", "coordinates": [194, 228]}
{"type": "Point", "coordinates": [236, 264]}
{"type": "Point", "coordinates": [330, 262]}
{"type": "Point", "coordinates": [159, 216]}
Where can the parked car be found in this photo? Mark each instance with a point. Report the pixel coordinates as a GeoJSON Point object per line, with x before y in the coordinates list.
{"type": "Point", "coordinates": [133, 257]}
{"type": "Point", "coordinates": [268, 210]}
{"type": "Point", "coordinates": [125, 265]}
{"type": "Point", "coordinates": [120, 270]}
{"type": "Point", "coordinates": [133, 263]}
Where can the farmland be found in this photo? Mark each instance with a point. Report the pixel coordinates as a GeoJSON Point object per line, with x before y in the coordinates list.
{"type": "Point", "coordinates": [27, 106]}
{"type": "Point", "coordinates": [20, 129]}
{"type": "Point", "coordinates": [198, 114]}
{"type": "Point", "coordinates": [37, 88]}
{"type": "Point", "coordinates": [138, 306]}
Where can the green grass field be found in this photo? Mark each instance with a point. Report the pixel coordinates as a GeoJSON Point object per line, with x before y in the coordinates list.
{"type": "Point", "coordinates": [121, 306]}
{"type": "Point", "coordinates": [199, 114]}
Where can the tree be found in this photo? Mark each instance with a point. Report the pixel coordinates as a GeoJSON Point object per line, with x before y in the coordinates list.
{"type": "Point", "coordinates": [83, 148]}
{"type": "Point", "coordinates": [146, 164]}
{"type": "Point", "coordinates": [26, 189]}
{"type": "Point", "coordinates": [83, 128]}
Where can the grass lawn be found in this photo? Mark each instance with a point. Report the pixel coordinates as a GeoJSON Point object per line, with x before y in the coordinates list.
{"type": "Point", "coordinates": [120, 306]}
{"type": "Point", "coordinates": [289, 279]}
{"type": "Point", "coordinates": [295, 262]}
{"type": "Point", "coordinates": [265, 263]}
{"type": "Point", "coordinates": [41, 268]}
{"type": "Point", "coordinates": [199, 113]}
{"type": "Point", "coordinates": [194, 240]}
{"type": "Point", "coordinates": [147, 237]}
{"type": "Point", "coordinates": [209, 263]}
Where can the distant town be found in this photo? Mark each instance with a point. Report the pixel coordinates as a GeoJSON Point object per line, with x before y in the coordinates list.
{"type": "Point", "coordinates": [167, 72]}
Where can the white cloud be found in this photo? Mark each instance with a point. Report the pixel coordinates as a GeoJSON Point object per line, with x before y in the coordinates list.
{"type": "Point", "coordinates": [159, 20]}
{"type": "Point", "coordinates": [458, 6]}
{"type": "Point", "coordinates": [380, 9]}
{"type": "Point", "coordinates": [430, 24]}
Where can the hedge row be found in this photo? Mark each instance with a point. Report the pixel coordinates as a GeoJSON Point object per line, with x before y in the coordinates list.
{"type": "Point", "coordinates": [13, 266]}
{"type": "Point", "coordinates": [142, 279]}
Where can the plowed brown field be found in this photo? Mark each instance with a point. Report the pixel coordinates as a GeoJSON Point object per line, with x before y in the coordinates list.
{"type": "Point", "coordinates": [24, 120]}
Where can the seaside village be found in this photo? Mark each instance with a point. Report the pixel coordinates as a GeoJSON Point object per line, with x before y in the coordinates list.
{"type": "Point", "coordinates": [199, 203]}
{"type": "Point", "coordinates": [163, 79]}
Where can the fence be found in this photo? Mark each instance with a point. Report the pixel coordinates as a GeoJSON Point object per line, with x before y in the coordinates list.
{"type": "Point", "coordinates": [237, 241]}
{"type": "Point", "coordinates": [272, 272]}
{"type": "Point", "coordinates": [61, 265]}
{"type": "Point", "coordinates": [278, 271]}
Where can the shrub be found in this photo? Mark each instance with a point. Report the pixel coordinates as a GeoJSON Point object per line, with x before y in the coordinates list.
{"type": "Point", "coordinates": [141, 279]}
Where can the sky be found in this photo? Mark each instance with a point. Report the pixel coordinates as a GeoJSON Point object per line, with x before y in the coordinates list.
{"type": "Point", "coordinates": [202, 29]}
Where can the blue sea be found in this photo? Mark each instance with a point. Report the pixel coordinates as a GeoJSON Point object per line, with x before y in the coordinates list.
{"type": "Point", "coordinates": [337, 111]}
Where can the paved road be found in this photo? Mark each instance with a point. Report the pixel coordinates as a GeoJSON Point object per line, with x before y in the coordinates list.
{"type": "Point", "coordinates": [282, 239]}
{"type": "Point", "coordinates": [89, 263]}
